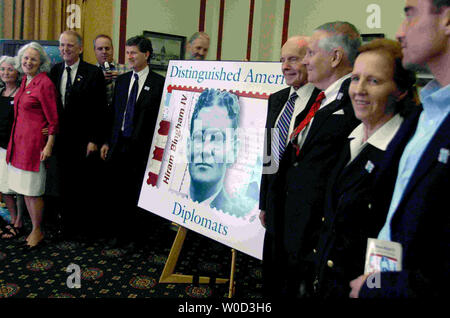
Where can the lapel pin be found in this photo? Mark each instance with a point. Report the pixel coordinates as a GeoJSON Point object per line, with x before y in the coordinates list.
{"type": "Point", "coordinates": [146, 88]}
{"type": "Point", "coordinates": [369, 166]}
{"type": "Point", "coordinates": [28, 92]}
{"type": "Point", "coordinates": [340, 95]}
{"type": "Point", "coordinates": [443, 155]}
{"type": "Point", "coordinates": [11, 102]}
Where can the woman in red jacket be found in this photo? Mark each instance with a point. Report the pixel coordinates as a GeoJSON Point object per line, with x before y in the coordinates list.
{"type": "Point", "coordinates": [34, 109]}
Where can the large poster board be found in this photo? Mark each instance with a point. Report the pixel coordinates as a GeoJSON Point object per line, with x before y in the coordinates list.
{"type": "Point", "coordinates": [205, 164]}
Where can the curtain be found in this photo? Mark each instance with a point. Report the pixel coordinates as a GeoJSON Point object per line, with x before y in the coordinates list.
{"type": "Point", "coordinates": [40, 19]}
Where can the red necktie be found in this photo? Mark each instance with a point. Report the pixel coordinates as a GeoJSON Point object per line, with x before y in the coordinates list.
{"type": "Point", "coordinates": [307, 119]}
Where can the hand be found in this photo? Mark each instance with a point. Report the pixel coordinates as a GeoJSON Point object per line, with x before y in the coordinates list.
{"type": "Point", "coordinates": [262, 217]}
{"type": "Point", "coordinates": [104, 151]}
{"type": "Point", "coordinates": [91, 147]}
{"type": "Point", "coordinates": [46, 152]}
{"type": "Point", "coordinates": [45, 131]}
{"type": "Point", "coordinates": [356, 285]}
{"type": "Point", "coordinates": [110, 75]}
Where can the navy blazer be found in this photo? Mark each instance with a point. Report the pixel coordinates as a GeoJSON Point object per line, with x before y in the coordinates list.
{"type": "Point", "coordinates": [145, 115]}
{"type": "Point", "coordinates": [348, 221]}
{"type": "Point", "coordinates": [421, 223]}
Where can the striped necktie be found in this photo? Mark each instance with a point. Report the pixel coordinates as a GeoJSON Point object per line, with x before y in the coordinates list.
{"type": "Point", "coordinates": [282, 126]}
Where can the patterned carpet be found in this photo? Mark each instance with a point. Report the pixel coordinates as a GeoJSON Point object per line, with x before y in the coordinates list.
{"type": "Point", "coordinates": [113, 273]}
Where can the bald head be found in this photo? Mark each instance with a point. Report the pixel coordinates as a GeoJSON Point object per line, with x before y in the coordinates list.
{"type": "Point", "coordinates": [292, 54]}
{"type": "Point", "coordinates": [299, 42]}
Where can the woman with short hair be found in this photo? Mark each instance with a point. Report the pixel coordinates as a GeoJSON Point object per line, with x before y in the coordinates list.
{"type": "Point", "coordinates": [382, 93]}
{"type": "Point", "coordinates": [34, 109]}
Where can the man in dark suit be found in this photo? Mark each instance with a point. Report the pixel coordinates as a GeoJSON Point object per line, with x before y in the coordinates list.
{"type": "Point", "coordinates": [82, 109]}
{"type": "Point", "coordinates": [283, 112]}
{"type": "Point", "coordinates": [137, 97]}
{"type": "Point", "coordinates": [413, 182]}
{"type": "Point", "coordinates": [296, 195]}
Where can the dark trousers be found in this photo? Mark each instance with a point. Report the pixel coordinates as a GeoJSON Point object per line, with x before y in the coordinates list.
{"type": "Point", "coordinates": [125, 175]}
{"type": "Point", "coordinates": [285, 275]}
{"type": "Point", "coordinates": [80, 179]}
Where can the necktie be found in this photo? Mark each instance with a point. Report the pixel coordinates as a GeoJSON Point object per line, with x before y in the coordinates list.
{"type": "Point", "coordinates": [314, 108]}
{"type": "Point", "coordinates": [283, 128]}
{"type": "Point", "coordinates": [68, 85]}
{"type": "Point", "coordinates": [128, 125]}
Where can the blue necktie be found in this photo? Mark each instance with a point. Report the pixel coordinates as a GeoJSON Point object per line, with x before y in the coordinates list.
{"type": "Point", "coordinates": [128, 125]}
{"type": "Point", "coordinates": [283, 128]}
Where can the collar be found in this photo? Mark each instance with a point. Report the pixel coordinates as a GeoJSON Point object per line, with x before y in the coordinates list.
{"type": "Point", "coordinates": [301, 90]}
{"type": "Point", "coordinates": [143, 73]}
{"type": "Point", "coordinates": [382, 136]}
{"type": "Point", "coordinates": [74, 66]}
{"type": "Point", "coordinates": [435, 98]}
{"type": "Point", "coordinates": [332, 92]}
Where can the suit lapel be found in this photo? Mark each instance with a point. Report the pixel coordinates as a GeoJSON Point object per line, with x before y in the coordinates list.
{"type": "Point", "coordinates": [80, 77]}
{"type": "Point", "coordinates": [430, 156]}
{"type": "Point", "coordinates": [59, 75]}
{"type": "Point", "coordinates": [124, 93]}
{"type": "Point", "coordinates": [322, 115]}
{"type": "Point", "coordinates": [278, 104]}
{"type": "Point", "coordinates": [145, 91]}
{"type": "Point", "coordinates": [361, 164]}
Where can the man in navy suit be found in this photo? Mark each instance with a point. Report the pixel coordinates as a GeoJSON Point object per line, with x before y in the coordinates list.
{"type": "Point", "coordinates": [296, 196]}
{"type": "Point", "coordinates": [298, 96]}
{"type": "Point", "coordinates": [82, 109]}
{"type": "Point", "coordinates": [413, 185]}
{"type": "Point", "coordinates": [137, 97]}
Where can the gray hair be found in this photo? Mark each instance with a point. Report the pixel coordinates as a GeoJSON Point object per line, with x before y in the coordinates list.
{"type": "Point", "coordinates": [13, 62]}
{"type": "Point", "coordinates": [197, 35]}
{"type": "Point", "coordinates": [45, 60]}
{"type": "Point", "coordinates": [75, 34]}
{"type": "Point", "coordinates": [344, 35]}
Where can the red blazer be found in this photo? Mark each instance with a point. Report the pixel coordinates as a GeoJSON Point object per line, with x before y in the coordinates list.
{"type": "Point", "coordinates": [34, 109]}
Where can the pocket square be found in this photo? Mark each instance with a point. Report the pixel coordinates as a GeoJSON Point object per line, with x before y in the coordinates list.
{"type": "Point", "coordinates": [339, 112]}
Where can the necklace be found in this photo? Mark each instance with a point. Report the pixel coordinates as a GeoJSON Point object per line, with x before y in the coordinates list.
{"type": "Point", "coordinates": [10, 94]}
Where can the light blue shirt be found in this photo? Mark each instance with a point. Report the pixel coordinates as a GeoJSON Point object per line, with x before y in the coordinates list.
{"type": "Point", "coordinates": [436, 106]}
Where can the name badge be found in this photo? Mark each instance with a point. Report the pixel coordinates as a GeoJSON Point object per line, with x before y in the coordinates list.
{"type": "Point", "coordinates": [146, 88]}
{"type": "Point", "coordinates": [369, 166]}
{"type": "Point", "coordinates": [443, 155]}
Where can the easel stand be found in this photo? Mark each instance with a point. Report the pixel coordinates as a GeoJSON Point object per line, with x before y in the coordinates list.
{"type": "Point", "coordinates": [168, 275]}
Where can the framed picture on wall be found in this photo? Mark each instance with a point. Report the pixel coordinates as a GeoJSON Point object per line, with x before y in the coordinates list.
{"type": "Point", "coordinates": [166, 47]}
{"type": "Point", "coordinates": [367, 37]}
